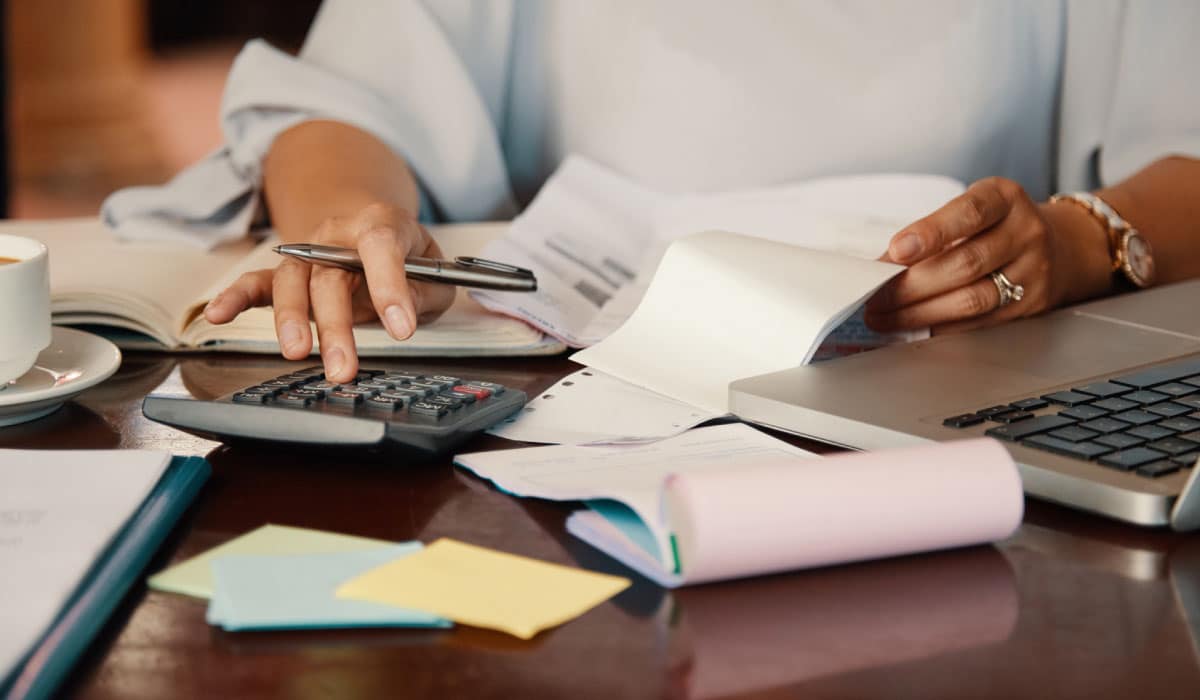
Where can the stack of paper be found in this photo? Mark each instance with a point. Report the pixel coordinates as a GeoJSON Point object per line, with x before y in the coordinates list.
{"type": "Point", "coordinates": [291, 578]}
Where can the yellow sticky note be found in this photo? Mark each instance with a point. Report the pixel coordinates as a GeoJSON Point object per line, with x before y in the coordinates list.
{"type": "Point", "coordinates": [194, 576]}
{"type": "Point", "coordinates": [485, 588]}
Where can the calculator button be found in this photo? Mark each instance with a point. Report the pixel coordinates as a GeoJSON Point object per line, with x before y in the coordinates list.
{"type": "Point", "coordinates": [396, 397]}
{"type": "Point", "coordinates": [384, 404]}
{"type": "Point", "coordinates": [314, 394]}
{"type": "Point", "coordinates": [315, 371]}
{"type": "Point", "coordinates": [1132, 458]}
{"type": "Point", "coordinates": [243, 397]}
{"type": "Point", "coordinates": [447, 401]}
{"type": "Point", "coordinates": [425, 408]}
{"type": "Point", "coordinates": [965, 420]}
{"type": "Point", "coordinates": [474, 390]}
{"type": "Point", "coordinates": [293, 399]}
{"type": "Point", "coordinates": [498, 389]}
{"type": "Point", "coordinates": [461, 396]}
{"type": "Point", "coordinates": [1068, 398]}
{"type": "Point", "coordinates": [376, 385]}
{"type": "Point", "coordinates": [445, 379]}
{"type": "Point", "coordinates": [411, 392]}
{"type": "Point", "coordinates": [345, 397]}
{"type": "Point", "coordinates": [402, 377]}
{"type": "Point", "coordinates": [281, 383]}
{"type": "Point", "coordinates": [424, 386]}
{"type": "Point", "coordinates": [362, 391]}
{"type": "Point", "coordinates": [324, 386]}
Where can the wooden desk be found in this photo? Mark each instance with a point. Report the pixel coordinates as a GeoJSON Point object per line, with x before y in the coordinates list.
{"type": "Point", "coordinates": [1071, 607]}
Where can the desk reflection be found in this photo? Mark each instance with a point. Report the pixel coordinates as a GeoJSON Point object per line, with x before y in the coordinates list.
{"type": "Point", "coordinates": [781, 630]}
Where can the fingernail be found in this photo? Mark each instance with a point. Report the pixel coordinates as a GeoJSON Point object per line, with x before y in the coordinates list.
{"type": "Point", "coordinates": [397, 321]}
{"type": "Point", "coordinates": [906, 247]}
{"type": "Point", "coordinates": [334, 361]}
{"type": "Point", "coordinates": [289, 336]}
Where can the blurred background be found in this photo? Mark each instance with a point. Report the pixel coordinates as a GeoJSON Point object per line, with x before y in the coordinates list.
{"type": "Point", "coordinates": [101, 94]}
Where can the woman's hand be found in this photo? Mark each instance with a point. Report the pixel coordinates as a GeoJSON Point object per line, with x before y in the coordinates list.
{"type": "Point", "coordinates": [992, 227]}
{"type": "Point", "coordinates": [384, 236]}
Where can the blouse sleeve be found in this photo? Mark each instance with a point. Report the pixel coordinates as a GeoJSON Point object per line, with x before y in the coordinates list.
{"type": "Point", "coordinates": [1130, 93]}
{"type": "Point", "coordinates": [430, 82]}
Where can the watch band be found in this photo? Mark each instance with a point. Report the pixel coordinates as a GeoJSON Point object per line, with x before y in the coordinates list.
{"type": "Point", "coordinates": [1120, 235]}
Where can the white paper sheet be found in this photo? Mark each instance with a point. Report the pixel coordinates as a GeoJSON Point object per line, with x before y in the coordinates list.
{"type": "Point", "coordinates": [592, 408]}
{"type": "Point", "coordinates": [58, 511]}
{"type": "Point", "coordinates": [585, 235]}
{"type": "Point", "coordinates": [630, 474]}
{"type": "Point", "coordinates": [724, 306]}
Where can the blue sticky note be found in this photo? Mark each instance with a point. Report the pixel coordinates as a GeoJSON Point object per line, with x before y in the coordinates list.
{"type": "Point", "coordinates": [295, 591]}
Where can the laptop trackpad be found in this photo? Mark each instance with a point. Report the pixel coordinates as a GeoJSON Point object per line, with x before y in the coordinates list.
{"type": "Point", "coordinates": [1065, 347]}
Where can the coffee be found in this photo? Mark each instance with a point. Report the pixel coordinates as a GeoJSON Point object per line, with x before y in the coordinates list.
{"type": "Point", "coordinates": [6, 261]}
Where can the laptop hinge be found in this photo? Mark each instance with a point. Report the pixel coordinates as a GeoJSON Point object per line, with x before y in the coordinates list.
{"type": "Point", "coordinates": [1185, 515]}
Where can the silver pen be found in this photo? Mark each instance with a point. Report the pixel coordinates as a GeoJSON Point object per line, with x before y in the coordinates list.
{"type": "Point", "coordinates": [463, 271]}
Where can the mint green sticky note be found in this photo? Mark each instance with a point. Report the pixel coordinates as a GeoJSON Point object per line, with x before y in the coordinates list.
{"type": "Point", "coordinates": [295, 591]}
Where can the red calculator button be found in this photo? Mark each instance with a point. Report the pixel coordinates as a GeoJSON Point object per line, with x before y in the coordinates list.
{"type": "Point", "coordinates": [476, 391]}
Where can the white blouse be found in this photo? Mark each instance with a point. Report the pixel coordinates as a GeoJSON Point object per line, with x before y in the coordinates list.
{"type": "Point", "coordinates": [484, 98]}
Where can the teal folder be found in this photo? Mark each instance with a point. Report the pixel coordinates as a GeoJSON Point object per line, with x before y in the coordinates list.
{"type": "Point", "coordinates": [106, 584]}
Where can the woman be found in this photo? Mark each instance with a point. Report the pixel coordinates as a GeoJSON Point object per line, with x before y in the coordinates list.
{"type": "Point", "coordinates": [459, 110]}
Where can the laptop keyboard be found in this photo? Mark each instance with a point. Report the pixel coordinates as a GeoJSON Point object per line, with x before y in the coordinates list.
{"type": "Point", "coordinates": [1146, 422]}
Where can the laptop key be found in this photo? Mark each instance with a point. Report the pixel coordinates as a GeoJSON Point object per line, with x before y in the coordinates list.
{"type": "Point", "coordinates": [1068, 398]}
{"type": "Point", "coordinates": [1186, 460]}
{"type": "Point", "coordinates": [1168, 409]}
{"type": "Point", "coordinates": [1081, 450]}
{"type": "Point", "coordinates": [1120, 441]}
{"type": "Point", "coordinates": [1033, 404]}
{"type": "Point", "coordinates": [1145, 397]}
{"type": "Point", "coordinates": [1104, 425]}
{"type": "Point", "coordinates": [1175, 389]}
{"type": "Point", "coordinates": [1157, 469]}
{"type": "Point", "coordinates": [994, 410]}
{"type": "Point", "coordinates": [1102, 390]}
{"type": "Point", "coordinates": [1083, 412]}
{"type": "Point", "coordinates": [1150, 432]}
{"type": "Point", "coordinates": [243, 397]}
{"type": "Point", "coordinates": [1132, 458]}
{"type": "Point", "coordinates": [1183, 425]}
{"type": "Point", "coordinates": [1014, 432]}
{"type": "Point", "coordinates": [1160, 375]}
{"type": "Point", "coordinates": [1192, 402]}
{"type": "Point", "coordinates": [1194, 436]}
{"type": "Point", "coordinates": [1012, 416]}
{"type": "Point", "coordinates": [1194, 381]}
{"type": "Point", "coordinates": [965, 420]}
{"type": "Point", "coordinates": [1136, 417]}
{"type": "Point", "coordinates": [1073, 433]}
{"type": "Point", "coordinates": [1173, 446]}
{"type": "Point", "coordinates": [1116, 405]}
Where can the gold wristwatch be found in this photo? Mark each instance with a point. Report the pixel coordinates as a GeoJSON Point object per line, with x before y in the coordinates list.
{"type": "Point", "coordinates": [1132, 257]}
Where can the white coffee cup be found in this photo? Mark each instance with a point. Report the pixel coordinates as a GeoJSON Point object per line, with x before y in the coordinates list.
{"type": "Point", "coordinates": [24, 305]}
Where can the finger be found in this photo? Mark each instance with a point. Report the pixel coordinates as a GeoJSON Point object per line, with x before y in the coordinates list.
{"type": "Point", "coordinates": [383, 247]}
{"type": "Point", "coordinates": [1032, 301]}
{"type": "Point", "coordinates": [951, 270]}
{"type": "Point", "coordinates": [250, 290]}
{"type": "Point", "coordinates": [290, 292]}
{"type": "Point", "coordinates": [981, 206]}
{"type": "Point", "coordinates": [977, 303]}
{"type": "Point", "coordinates": [329, 292]}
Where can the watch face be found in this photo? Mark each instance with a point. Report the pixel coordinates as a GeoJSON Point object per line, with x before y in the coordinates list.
{"type": "Point", "coordinates": [1138, 260]}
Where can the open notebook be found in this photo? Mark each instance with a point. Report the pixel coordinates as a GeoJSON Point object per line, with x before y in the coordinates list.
{"type": "Point", "coordinates": [151, 295]}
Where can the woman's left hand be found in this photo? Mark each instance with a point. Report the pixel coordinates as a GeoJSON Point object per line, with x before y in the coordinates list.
{"type": "Point", "coordinates": [951, 254]}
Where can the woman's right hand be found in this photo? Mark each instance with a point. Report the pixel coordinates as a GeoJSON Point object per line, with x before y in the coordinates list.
{"type": "Point", "coordinates": [384, 236]}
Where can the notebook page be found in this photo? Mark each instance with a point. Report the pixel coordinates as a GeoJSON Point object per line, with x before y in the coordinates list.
{"type": "Point", "coordinates": [149, 283]}
{"type": "Point", "coordinates": [466, 328]}
{"type": "Point", "coordinates": [58, 512]}
{"type": "Point", "coordinates": [724, 306]}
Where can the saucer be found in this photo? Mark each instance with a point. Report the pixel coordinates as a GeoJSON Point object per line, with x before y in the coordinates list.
{"type": "Point", "coordinates": [74, 361]}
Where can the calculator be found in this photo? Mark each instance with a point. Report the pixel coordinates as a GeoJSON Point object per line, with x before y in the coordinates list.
{"type": "Point", "coordinates": [394, 410]}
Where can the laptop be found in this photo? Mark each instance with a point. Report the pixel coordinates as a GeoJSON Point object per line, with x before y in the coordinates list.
{"type": "Point", "coordinates": [1099, 404]}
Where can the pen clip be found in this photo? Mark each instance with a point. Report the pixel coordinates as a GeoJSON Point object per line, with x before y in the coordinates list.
{"type": "Point", "coordinates": [483, 263]}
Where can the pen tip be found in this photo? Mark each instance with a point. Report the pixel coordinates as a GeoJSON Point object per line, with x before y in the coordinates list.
{"type": "Point", "coordinates": [278, 249]}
